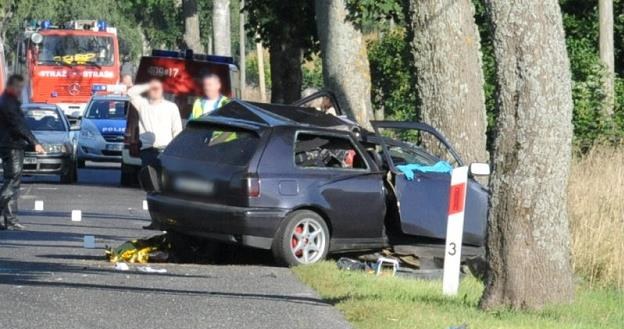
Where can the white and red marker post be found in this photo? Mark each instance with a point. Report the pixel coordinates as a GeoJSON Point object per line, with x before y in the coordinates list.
{"type": "Point", "coordinates": [454, 230]}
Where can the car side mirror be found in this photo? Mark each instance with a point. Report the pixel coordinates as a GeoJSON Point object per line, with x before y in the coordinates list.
{"type": "Point", "coordinates": [480, 169]}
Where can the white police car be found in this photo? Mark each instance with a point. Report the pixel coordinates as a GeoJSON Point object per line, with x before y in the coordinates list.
{"type": "Point", "coordinates": [102, 129]}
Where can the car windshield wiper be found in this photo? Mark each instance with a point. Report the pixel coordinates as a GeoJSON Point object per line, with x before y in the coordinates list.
{"type": "Point", "coordinates": [92, 63]}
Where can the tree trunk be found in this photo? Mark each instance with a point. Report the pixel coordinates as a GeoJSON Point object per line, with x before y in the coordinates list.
{"type": "Point", "coordinates": [346, 69]}
{"type": "Point", "coordinates": [528, 246]}
{"type": "Point", "coordinates": [286, 74]}
{"type": "Point", "coordinates": [192, 37]}
{"type": "Point", "coordinates": [446, 49]}
{"type": "Point", "coordinates": [221, 28]}
{"type": "Point", "coordinates": [261, 80]}
{"type": "Point", "coordinates": [605, 9]}
{"type": "Point", "coordinates": [242, 65]}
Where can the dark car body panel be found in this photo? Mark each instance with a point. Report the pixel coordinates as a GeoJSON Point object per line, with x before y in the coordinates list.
{"type": "Point", "coordinates": [254, 227]}
{"type": "Point", "coordinates": [424, 207]}
{"type": "Point", "coordinates": [423, 202]}
{"type": "Point", "coordinates": [355, 201]}
{"type": "Point", "coordinates": [326, 190]}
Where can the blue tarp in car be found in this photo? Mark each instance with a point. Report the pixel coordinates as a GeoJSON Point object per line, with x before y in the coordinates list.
{"type": "Point", "coordinates": [439, 167]}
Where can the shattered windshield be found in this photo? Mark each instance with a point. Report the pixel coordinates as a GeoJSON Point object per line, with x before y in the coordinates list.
{"type": "Point", "coordinates": [77, 50]}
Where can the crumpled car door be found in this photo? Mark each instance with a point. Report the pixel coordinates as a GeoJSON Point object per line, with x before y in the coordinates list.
{"type": "Point", "coordinates": [422, 196]}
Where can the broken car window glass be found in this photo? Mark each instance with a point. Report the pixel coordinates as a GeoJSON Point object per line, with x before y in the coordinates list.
{"type": "Point", "coordinates": [316, 151]}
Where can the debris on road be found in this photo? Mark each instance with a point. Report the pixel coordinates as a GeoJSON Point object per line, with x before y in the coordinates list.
{"type": "Point", "coordinates": [89, 242]}
{"type": "Point", "coordinates": [38, 205]}
{"type": "Point", "coordinates": [149, 269]}
{"type": "Point", "coordinates": [121, 267]}
{"type": "Point", "coordinates": [76, 215]}
{"type": "Point", "coordinates": [167, 247]}
{"type": "Point", "coordinates": [155, 249]}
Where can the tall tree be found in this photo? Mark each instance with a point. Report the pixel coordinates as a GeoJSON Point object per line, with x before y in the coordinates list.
{"type": "Point", "coordinates": [192, 37]}
{"type": "Point", "coordinates": [446, 49]}
{"type": "Point", "coordinates": [288, 30]}
{"type": "Point", "coordinates": [221, 28]}
{"type": "Point", "coordinates": [605, 17]}
{"type": "Point", "coordinates": [528, 243]}
{"type": "Point", "coordinates": [346, 68]}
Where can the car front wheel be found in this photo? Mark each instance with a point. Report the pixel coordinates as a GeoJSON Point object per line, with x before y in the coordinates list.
{"type": "Point", "coordinates": [302, 239]}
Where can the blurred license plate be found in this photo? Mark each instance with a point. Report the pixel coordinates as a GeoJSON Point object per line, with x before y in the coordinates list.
{"type": "Point", "coordinates": [114, 147]}
{"type": "Point", "coordinates": [30, 160]}
{"type": "Point", "coordinates": [193, 185]}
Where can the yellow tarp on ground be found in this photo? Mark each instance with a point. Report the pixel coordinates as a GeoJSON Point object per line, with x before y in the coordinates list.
{"type": "Point", "coordinates": [141, 250]}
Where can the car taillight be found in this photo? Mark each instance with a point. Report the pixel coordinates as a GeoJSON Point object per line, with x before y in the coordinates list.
{"type": "Point", "coordinates": [253, 187]}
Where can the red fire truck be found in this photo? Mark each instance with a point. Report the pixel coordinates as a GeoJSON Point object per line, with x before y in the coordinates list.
{"type": "Point", "coordinates": [65, 64]}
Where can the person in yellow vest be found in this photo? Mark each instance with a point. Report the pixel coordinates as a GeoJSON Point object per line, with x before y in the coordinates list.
{"type": "Point", "coordinates": [212, 99]}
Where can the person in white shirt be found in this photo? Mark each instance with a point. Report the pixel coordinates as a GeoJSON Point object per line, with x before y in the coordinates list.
{"type": "Point", "coordinates": [159, 122]}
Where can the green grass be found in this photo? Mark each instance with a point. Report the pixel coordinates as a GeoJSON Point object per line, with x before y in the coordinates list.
{"type": "Point", "coordinates": [386, 302]}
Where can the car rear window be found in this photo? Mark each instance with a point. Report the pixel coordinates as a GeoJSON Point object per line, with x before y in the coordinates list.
{"type": "Point", "coordinates": [214, 144]}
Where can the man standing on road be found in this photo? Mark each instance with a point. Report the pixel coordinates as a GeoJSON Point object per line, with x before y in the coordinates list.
{"type": "Point", "coordinates": [212, 99]}
{"type": "Point", "coordinates": [14, 137]}
{"type": "Point", "coordinates": [159, 122]}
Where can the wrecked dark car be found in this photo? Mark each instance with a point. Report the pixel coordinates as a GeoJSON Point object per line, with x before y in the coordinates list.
{"type": "Point", "coordinates": [304, 183]}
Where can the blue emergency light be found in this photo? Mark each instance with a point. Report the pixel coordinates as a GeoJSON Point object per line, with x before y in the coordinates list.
{"type": "Point", "coordinates": [96, 88]}
{"type": "Point", "coordinates": [102, 25]}
{"type": "Point", "coordinates": [200, 57]}
{"type": "Point", "coordinates": [166, 53]}
{"type": "Point", "coordinates": [46, 24]}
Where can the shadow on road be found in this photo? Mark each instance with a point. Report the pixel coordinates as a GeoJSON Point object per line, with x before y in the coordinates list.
{"type": "Point", "coordinates": [39, 274]}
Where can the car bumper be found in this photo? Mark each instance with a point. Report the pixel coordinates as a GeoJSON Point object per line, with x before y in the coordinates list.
{"type": "Point", "coordinates": [46, 164]}
{"type": "Point", "coordinates": [253, 227]}
{"type": "Point", "coordinates": [99, 151]}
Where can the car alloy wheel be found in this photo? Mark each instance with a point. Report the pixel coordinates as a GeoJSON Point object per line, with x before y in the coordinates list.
{"type": "Point", "coordinates": [308, 241]}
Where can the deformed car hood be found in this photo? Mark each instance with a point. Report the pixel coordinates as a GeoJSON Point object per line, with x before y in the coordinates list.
{"type": "Point", "coordinates": [52, 137]}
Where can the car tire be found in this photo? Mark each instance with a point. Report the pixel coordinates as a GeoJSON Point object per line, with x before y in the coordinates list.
{"type": "Point", "coordinates": [302, 239]}
{"type": "Point", "coordinates": [71, 177]}
{"type": "Point", "coordinates": [129, 175]}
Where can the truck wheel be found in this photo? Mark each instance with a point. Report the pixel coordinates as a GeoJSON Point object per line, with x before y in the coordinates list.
{"type": "Point", "coordinates": [71, 177]}
{"type": "Point", "coordinates": [303, 238]}
{"type": "Point", "coordinates": [129, 176]}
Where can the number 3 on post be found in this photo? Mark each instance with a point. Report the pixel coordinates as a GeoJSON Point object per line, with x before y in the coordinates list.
{"type": "Point", "coordinates": [454, 231]}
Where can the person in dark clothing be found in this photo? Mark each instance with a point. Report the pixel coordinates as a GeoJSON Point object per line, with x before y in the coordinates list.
{"type": "Point", "coordinates": [15, 136]}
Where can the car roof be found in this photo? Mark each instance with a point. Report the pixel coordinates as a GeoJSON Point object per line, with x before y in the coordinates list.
{"type": "Point", "coordinates": [272, 115]}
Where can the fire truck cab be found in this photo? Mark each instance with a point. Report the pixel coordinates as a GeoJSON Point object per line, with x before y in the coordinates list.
{"type": "Point", "coordinates": [64, 64]}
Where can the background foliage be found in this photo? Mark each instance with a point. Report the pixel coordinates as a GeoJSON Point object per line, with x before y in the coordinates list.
{"type": "Point", "coordinates": [145, 24]}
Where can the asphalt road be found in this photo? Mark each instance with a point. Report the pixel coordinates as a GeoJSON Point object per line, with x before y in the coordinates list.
{"type": "Point", "coordinates": [48, 280]}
